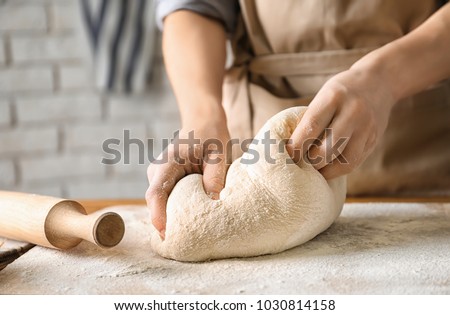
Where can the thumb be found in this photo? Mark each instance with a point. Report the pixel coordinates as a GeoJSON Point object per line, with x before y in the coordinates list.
{"type": "Point", "coordinates": [214, 173]}
{"type": "Point", "coordinates": [310, 127]}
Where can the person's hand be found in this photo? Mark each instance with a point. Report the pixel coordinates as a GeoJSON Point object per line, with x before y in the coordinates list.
{"type": "Point", "coordinates": [198, 149]}
{"type": "Point", "coordinates": [355, 105]}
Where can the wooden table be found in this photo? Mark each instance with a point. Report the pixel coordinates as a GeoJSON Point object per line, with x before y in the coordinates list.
{"type": "Point", "coordinates": [376, 246]}
{"type": "Point", "coordinates": [15, 250]}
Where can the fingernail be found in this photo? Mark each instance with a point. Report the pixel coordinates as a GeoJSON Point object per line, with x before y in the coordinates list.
{"type": "Point", "coordinates": [162, 234]}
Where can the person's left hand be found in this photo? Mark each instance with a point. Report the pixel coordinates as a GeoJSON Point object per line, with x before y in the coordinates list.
{"type": "Point", "coordinates": [356, 106]}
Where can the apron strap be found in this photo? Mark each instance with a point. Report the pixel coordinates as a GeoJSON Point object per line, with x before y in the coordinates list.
{"type": "Point", "coordinates": [306, 63]}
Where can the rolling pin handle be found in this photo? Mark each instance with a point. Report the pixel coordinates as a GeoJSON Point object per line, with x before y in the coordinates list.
{"type": "Point", "coordinates": [108, 230]}
{"type": "Point", "coordinates": [68, 223]}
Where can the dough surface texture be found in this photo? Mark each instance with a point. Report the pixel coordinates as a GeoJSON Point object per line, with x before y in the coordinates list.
{"type": "Point", "coordinates": [266, 207]}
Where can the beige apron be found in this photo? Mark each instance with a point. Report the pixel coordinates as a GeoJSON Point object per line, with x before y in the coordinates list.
{"type": "Point", "coordinates": [286, 50]}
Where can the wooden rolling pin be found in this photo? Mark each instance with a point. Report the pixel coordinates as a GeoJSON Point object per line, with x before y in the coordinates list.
{"type": "Point", "coordinates": [56, 223]}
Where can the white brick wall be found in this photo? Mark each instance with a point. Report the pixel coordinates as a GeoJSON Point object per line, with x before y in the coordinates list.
{"type": "Point", "coordinates": [52, 119]}
{"type": "Point", "coordinates": [49, 189]}
{"type": "Point", "coordinates": [150, 106]}
{"type": "Point", "coordinates": [7, 174]}
{"type": "Point", "coordinates": [26, 141]}
{"type": "Point", "coordinates": [70, 166]}
{"type": "Point", "coordinates": [113, 189]}
{"type": "Point", "coordinates": [58, 108]}
{"type": "Point", "coordinates": [2, 53]}
{"type": "Point", "coordinates": [30, 79]}
{"type": "Point", "coordinates": [44, 48]}
{"type": "Point", "coordinates": [62, 15]}
{"type": "Point", "coordinates": [5, 114]}
{"type": "Point", "coordinates": [92, 135]}
{"type": "Point", "coordinates": [74, 77]}
{"type": "Point", "coordinates": [22, 17]}
{"type": "Point", "coordinates": [135, 169]}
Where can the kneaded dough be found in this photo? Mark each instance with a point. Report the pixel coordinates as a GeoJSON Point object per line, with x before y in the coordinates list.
{"type": "Point", "coordinates": [265, 207]}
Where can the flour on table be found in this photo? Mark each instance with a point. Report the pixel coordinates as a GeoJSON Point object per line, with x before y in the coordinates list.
{"type": "Point", "coordinates": [266, 206]}
{"type": "Point", "coordinates": [372, 248]}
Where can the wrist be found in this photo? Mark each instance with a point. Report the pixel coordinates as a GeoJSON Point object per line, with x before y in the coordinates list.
{"type": "Point", "coordinates": [381, 73]}
{"type": "Point", "coordinates": [202, 115]}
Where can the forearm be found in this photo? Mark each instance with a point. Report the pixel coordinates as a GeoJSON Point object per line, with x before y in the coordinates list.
{"type": "Point", "coordinates": [415, 61]}
{"type": "Point", "coordinates": [194, 52]}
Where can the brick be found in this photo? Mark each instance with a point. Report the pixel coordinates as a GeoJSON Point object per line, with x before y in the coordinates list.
{"type": "Point", "coordinates": [58, 108]}
{"type": "Point", "coordinates": [131, 169]}
{"type": "Point", "coordinates": [152, 105]}
{"type": "Point", "coordinates": [46, 189]}
{"type": "Point", "coordinates": [5, 114]}
{"type": "Point", "coordinates": [7, 174]}
{"type": "Point", "coordinates": [26, 80]}
{"type": "Point", "coordinates": [122, 108]}
{"type": "Point", "coordinates": [29, 140]}
{"type": "Point", "coordinates": [92, 135]}
{"type": "Point", "coordinates": [22, 17]}
{"type": "Point", "coordinates": [39, 1]}
{"type": "Point", "coordinates": [164, 128]}
{"type": "Point", "coordinates": [45, 48]}
{"type": "Point", "coordinates": [136, 165]}
{"type": "Point", "coordinates": [2, 52]}
{"type": "Point", "coordinates": [75, 77]}
{"type": "Point", "coordinates": [45, 168]}
{"type": "Point", "coordinates": [161, 133]}
{"type": "Point", "coordinates": [65, 15]}
{"type": "Point", "coordinates": [108, 189]}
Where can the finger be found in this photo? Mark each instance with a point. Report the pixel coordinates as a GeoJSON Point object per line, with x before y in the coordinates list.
{"type": "Point", "coordinates": [164, 177]}
{"type": "Point", "coordinates": [351, 157]}
{"type": "Point", "coordinates": [316, 118]}
{"type": "Point", "coordinates": [214, 178]}
{"type": "Point", "coordinates": [332, 143]}
{"type": "Point", "coordinates": [156, 202]}
{"type": "Point", "coordinates": [214, 170]}
{"type": "Point", "coordinates": [151, 172]}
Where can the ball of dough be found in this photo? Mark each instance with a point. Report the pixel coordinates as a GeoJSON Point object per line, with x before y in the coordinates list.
{"type": "Point", "coordinates": [266, 206]}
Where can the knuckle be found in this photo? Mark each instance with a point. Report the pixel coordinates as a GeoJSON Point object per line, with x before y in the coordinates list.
{"type": "Point", "coordinates": [312, 125]}
{"type": "Point", "coordinates": [155, 192]}
{"type": "Point", "coordinates": [150, 194]}
{"type": "Point", "coordinates": [336, 96]}
{"type": "Point", "coordinates": [337, 92]}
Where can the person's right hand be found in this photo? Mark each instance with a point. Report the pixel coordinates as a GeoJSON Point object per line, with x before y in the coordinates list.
{"type": "Point", "coordinates": [181, 159]}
